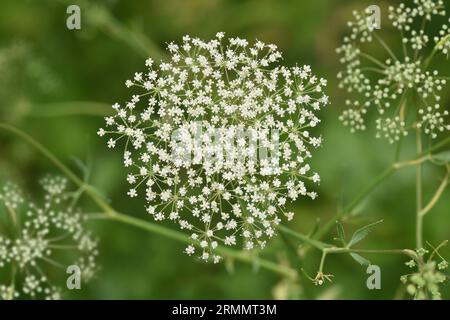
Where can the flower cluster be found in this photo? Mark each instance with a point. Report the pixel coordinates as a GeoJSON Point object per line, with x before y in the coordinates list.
{"type": "Point", "coordinates": [424, 283]}
{"type": "Point", "coordinates": [218, 140]}
{"type": "Point", "coordinates": [394, 83]}
{"type": "Point", "coordinates": [37, 240]}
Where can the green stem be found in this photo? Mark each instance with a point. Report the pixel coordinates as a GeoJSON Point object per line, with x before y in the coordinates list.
{"type": "Point", "coordinates": [419, 216]}
{"type": "Point", "coordinates": [335, 250]}
{"type": "Point", "coordinates": [12, 214]}
{"type": "Point", "coordinates": [437, 194]}
{"type": "Point", "coordinates": [112, 214]}
{"type": "Point", "coordinates": [322, 261]}
{"type": "Point", "coordinates": [369, 251]}
{"type": "Point", "coordinates": [409, 163]}
{"type": "Point", "coordinates": [326, 251]}
{"type": "Point", "coordinates": [151, 227]}
{"type": "Point", "coordinates": [315, 243]}
{"type": "Point", "coordinates": [437, 146]}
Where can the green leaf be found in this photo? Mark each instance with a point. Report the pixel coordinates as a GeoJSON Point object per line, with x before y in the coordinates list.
{"type": "Point", "coordinates": [442, 156]}
{"type": "Point", "coordinates": [361, 233]}
{"type": "Point", "coordinates": [361, 260]}
{"type": "Point", "coordinates": [340, 232]}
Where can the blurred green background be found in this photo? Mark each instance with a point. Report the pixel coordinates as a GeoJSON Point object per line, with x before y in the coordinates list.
{"type": "Point", "coordinates": [54, 84]}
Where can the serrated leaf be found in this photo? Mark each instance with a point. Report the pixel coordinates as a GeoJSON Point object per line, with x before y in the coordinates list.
{"type": "Point", "coordinates": [442, 156]}
{"type": "Point", "coordinates": [361, 260]}
{"type": "Point", "coordinates": [340, 231]}
{"type": "Point", "coordinates": [361, 233]}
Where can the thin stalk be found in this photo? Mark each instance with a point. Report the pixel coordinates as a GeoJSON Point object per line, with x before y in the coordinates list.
{"type": "Point", "coordinates": [385, 46]}
{"type": "Point", "coordinates": [322, 261]}
{"type": "Point", "coordinates": [419, 216]}
{"type": "Point", "coordinates": [151, 227]}
{"type": "Point", "coordinates": [409, 163]}
{"type": "Point", "coordinates": [304, 238]}
{"type": "Point", "coordinates": [369, 251]}
{"type": "Point", "coordinates": [438, 145]}
{"type": "Point", "coordinates": [374, 60]}
{"type": "Point", "coordinates": [12, 214]}
{"type": "Point", "coordinates": [398, 150]}
{"type": "Point", "coordinates": [334, 250]}
{"type": "Point", "coordinates": [436, 196]}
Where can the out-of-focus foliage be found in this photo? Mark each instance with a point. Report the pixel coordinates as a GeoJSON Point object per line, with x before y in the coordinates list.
{"type": "Point", "coordinates": [43, 65]}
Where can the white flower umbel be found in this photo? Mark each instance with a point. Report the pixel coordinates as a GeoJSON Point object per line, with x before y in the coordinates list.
{"type": "Point", "coordinates": [39, 241]}
{"type": "Point", "coordinates": [401, 86]}
{"type": "Point", "coordinates": [218, 140]}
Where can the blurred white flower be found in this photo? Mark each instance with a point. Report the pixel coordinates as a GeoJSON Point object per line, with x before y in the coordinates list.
{"type": "Point", "coordinates": [36, 241]}
{"type": "Point", "coordinates": [400, 86]}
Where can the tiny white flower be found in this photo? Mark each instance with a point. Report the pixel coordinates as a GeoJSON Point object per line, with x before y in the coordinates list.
{"type": "Point", "coordinates": [101, 132]}
{"type": "Point", "coordinates": [132, 193]}
{"type": "Point", "coordinates": [190, 250]}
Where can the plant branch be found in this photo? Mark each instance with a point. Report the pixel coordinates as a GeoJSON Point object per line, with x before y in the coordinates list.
{"type": "Point", "coordinates": [437, 146]}
{"type": "Point", "coordinates": [419, 216]}
{"type": "Point", "coordinates": [410, 163]}
{"type": "Point", "coordinates": [319, 279]}
{"type": "Point", "coordinates": [304, 238]}
{"type": "Point", "coordinates": [407, 252]}
{"type": "Point", "coordinates": [437, 195]}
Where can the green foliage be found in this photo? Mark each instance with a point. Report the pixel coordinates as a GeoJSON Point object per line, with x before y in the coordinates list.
{"type": "Point", "coordinates": [361, 233]}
